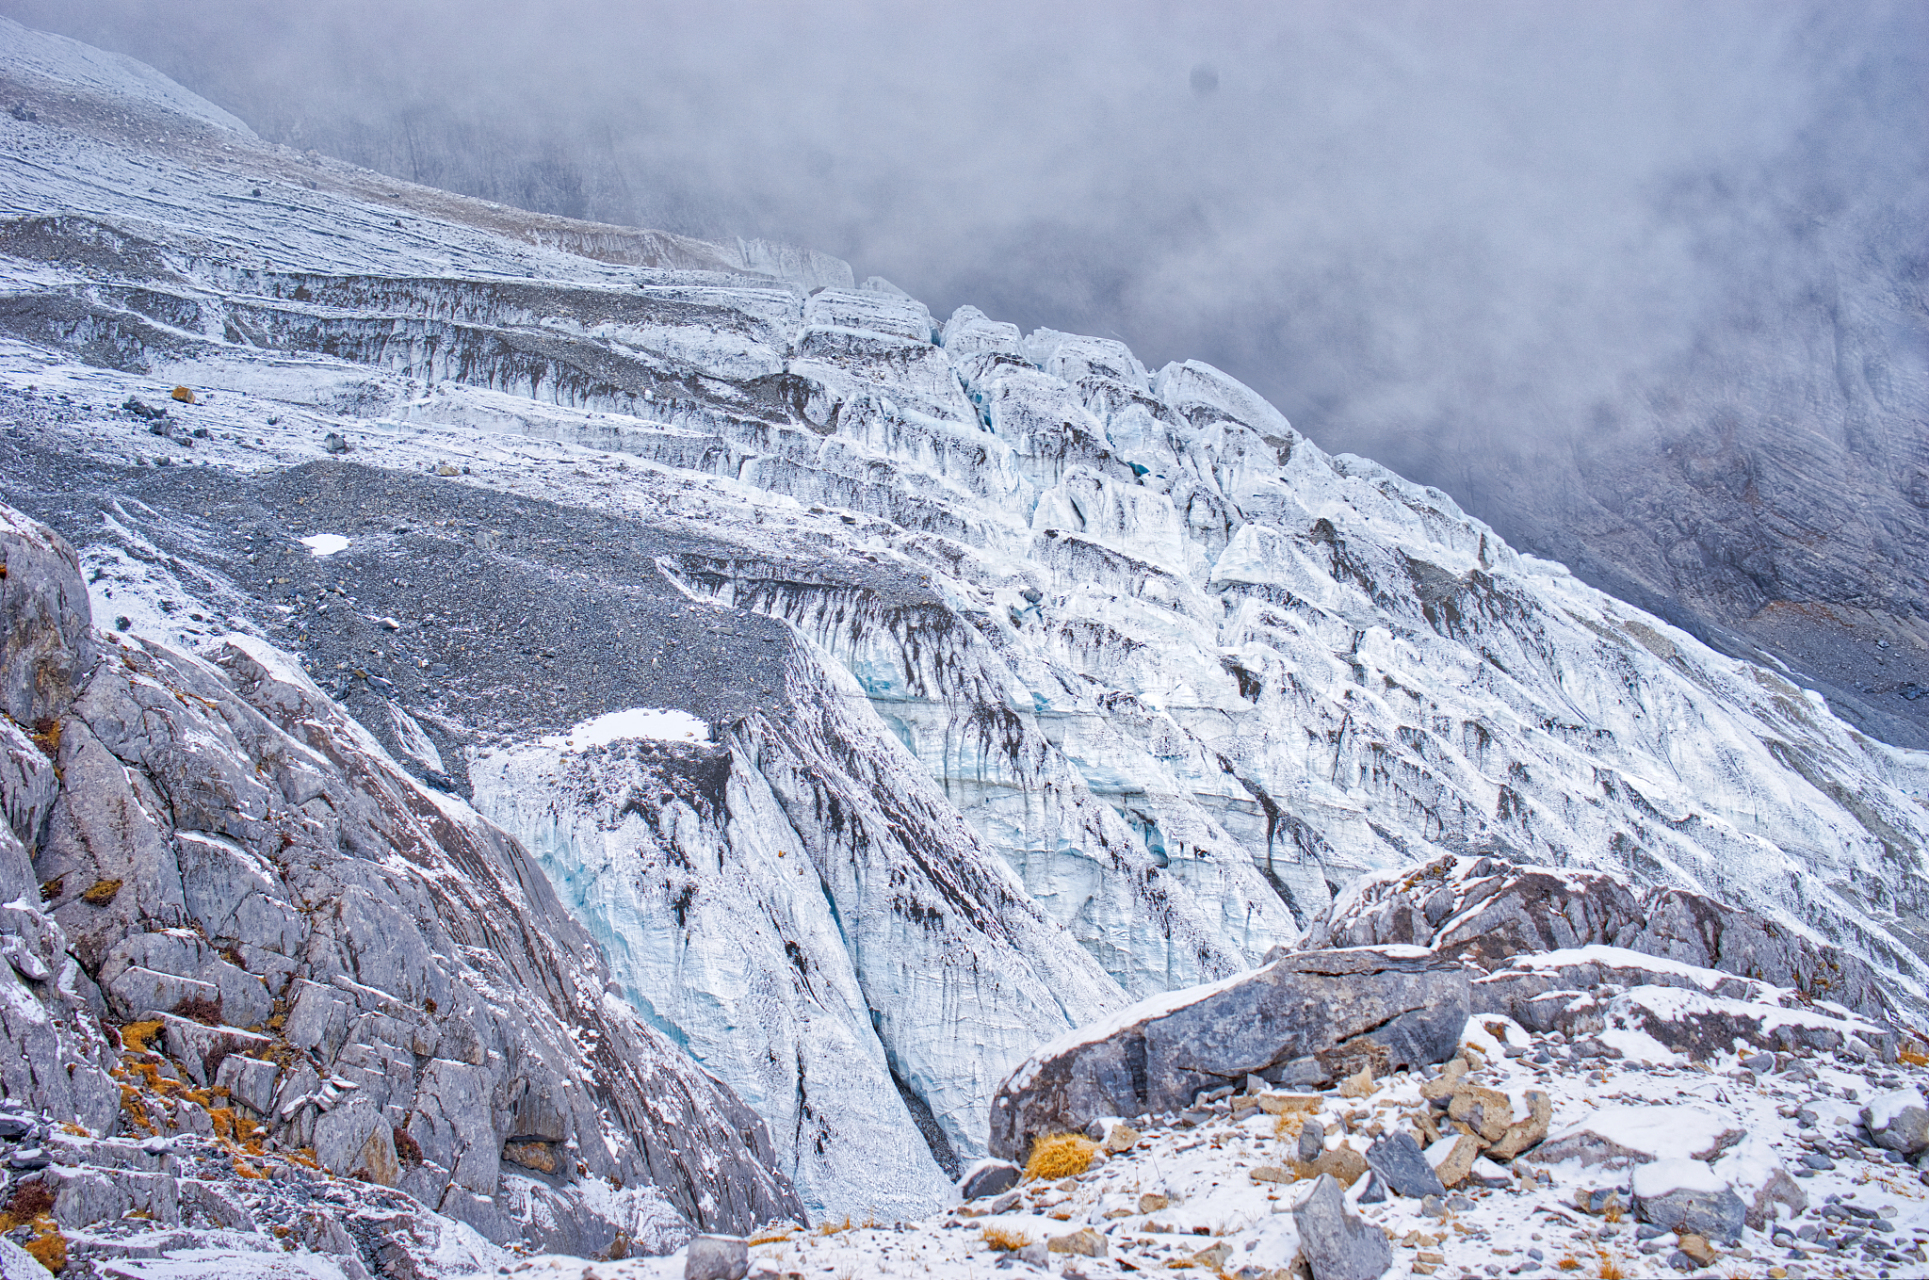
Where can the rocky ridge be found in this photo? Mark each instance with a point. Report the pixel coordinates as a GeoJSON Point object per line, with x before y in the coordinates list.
{"type": "Point", "coordinates": [234, 920]}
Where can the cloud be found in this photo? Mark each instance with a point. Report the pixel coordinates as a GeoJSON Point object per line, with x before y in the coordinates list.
{"type": "Point", "coordinates": [1474, 241]}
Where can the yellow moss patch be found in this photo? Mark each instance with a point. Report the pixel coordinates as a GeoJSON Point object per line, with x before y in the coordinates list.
{"type": "Point", "coordinates": [1060, 1155]}
{"type": "Point", "coordinates": [1007, 1241]}
{"type": "Point", "coordinates": [775, 1235]}
{"type": "Point", "coordinates": [135, 1109]}
{"type": "Point", "coordinates": [135, 1035]}
{"type": "Point", "coordinates": [246, 1170]}
{"type": "Point", "coordinates": [49, 1247]}
{"type": "Point", "coordinates": [1914, 1057]}
{"type": "Point", "coordinates": [101, 893]}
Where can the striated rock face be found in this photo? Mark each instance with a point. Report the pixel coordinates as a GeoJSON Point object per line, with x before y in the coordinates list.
{"type": "Point", "coordinates": [232, 867]}
{"type": "Point", "coordinates": [1306, 1018]}
{"type": "Point", "coordinates": [1488, 912]}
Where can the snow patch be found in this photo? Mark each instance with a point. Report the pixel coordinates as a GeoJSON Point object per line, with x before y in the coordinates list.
{"type": "Point", "coordinates": [654, 723]}
{"type": "Point", "coordinates": [324, 544]}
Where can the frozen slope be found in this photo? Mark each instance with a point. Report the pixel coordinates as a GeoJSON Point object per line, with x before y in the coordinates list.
{"type": "Point", "coordinates": [1054, 680]}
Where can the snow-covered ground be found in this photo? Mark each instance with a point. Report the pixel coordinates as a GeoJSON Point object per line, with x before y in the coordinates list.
{"type": "Point", "coordinates": [1866, 1215]}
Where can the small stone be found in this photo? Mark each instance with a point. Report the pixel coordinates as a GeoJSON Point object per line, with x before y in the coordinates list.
{"type": "Point", "coordinates": [1153, 1202]}
{"type": "Point", "coordinates": [1374, 1192]}
{"type": "Point", "coordinates": [1398, 1161]}
{"type": "Point", "coordinates": [989, 1178]}
{"type": "Point", "coordinates": [1359, 1084]}
{"type": "Point", "coordinates": [1312, 1141]}
{"type": "Point", "coordinates": [1698, 1248]}
{"type": "Point", "coordinates": [716, 1258]}
{"type": "Point", "coordinates": [1083, 1244]}
{"type": "Point", "coordinates": [1453, 1159]}
{"type": "Point", "coordinates": [1432, 1206]}
{"type": "Point", "coordinates": [1759, 1063]}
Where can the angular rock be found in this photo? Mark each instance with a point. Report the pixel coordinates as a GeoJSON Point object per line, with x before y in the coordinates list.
{"type": "Point", "coordinates": [1488, 1112]}
{"type": "Point", "coordinates": [1686, 1197]}
{"type": "Point", "coordinates": [1084, 1244]}
{"type": "Point", "coordinates": [1452, 1159]}
{"type": "Point", "coordinates": [46, 643]}
{"type": "Point", "coordinates": [1328, 1012]}
{"type": "Point", "coordinates": [1489, 911]}
{"type": "Point", "coordinates": [17, 1264]}
{"type": "Point", "coordinates": [1336, 1244]}
{"type": "Point", "coordinates": [1343, 1164]}
{"type": "Point", "coordinates": [198, 1047]}
{"type": "Point", "coordinates": [716, 1258]}
{"type": "Point", "coordinates": [250, 1081]}
{"type": "Point", "coordinates": [1524, 1135]}
{"type": "Point", "coordinates": [1400, 1163]}
{"type": "Point", "coordinates": [480, 1212]}
{"type": "Point", "coordinates": [1898, 1121]}
{"type": "Point", "coordinates": [1312, 1140]}
{"type": "Point", "coordinates": [989, 1178]}
{"type": "Point", "coordinates": [216, 1204]}
{"type": "Point", "coordinates": [355, 1140]}
{"type": "Point", "coordinates": [137, 991]}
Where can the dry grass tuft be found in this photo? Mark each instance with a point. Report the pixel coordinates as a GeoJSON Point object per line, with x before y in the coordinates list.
{"type": "Point", "coordinates": [1610, 1269]}
{"type": "Point", "coordinates": [1060, 1155]}
{"type": "Point", "coordinates": [1007, 1241]}
{"type": "Point", "coordinates": [1287, 1127]}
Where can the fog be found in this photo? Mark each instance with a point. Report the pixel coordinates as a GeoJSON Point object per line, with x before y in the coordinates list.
{"type": "Point", "coordinates": [1521, 251]}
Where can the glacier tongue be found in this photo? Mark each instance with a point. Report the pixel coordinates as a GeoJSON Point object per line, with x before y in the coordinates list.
{"type": "Point", "coordinates": [1098, 681]}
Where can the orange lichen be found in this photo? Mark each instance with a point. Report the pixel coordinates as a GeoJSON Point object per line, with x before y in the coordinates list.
{"type": "Point", "coordinates": [48, 1247]}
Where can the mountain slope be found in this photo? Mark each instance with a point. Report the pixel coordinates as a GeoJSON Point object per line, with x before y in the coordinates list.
{"type": "Point", "coordinates": [1030, 680]}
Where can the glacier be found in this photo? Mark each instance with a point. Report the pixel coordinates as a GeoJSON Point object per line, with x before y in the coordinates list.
{"type": "Point", "coordinates": [1042, 683]}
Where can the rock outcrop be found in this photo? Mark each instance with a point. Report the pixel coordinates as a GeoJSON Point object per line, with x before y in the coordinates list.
{"type": "Point", "coordinates": [1305, 1018]}
{"type": "Point", "coordinates": [1488, 911]}
{"type": "Point", "coordinates": [248, 923]}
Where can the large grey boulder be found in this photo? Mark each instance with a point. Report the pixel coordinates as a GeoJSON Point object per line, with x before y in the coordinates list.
{"type": "Point", "coordinates": [1303, 1018]}
{"type": "Point", "coordinates": [1336, 1244]}
{"type": "Point", "coordinates": [45, 640]}
{"type": "Point", "coordinates": [1686, 1197]}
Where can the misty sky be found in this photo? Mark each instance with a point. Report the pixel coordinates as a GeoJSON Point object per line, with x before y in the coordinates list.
{"type": "Point", "coordinates": [1435, 233]}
